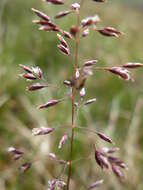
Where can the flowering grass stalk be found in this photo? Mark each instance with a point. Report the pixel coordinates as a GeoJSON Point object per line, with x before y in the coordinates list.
{"type": "Point", "coordinates": [76, 83]}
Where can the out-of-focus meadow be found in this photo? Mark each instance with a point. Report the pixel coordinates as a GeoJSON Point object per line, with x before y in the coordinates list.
{"type": "Point", "coordinates": [117, 112]}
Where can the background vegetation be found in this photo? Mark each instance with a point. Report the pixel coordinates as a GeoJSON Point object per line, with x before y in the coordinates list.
{"type": "Point", "coordinates": [117, 112]}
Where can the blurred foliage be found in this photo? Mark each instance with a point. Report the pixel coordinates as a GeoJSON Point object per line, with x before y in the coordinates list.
{"type": "Point", "coordinates": [117, 112]}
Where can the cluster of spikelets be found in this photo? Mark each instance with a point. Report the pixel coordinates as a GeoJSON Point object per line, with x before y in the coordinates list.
{"type": "Point", "coordinates": [105, 157]}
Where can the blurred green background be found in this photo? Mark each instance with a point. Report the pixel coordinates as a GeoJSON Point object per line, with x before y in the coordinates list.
{"type": "Point", "coordinates": [117, 112]}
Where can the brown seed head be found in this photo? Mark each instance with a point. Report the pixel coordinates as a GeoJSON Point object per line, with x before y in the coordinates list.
{"type": "Point", "coordinates": [90, 101]}
{"type": "Point", "coordinates": [109, 32]}
{"type": "Point", "coordinates": [42, 131]}
{"type": "Point", "coordinates": [25, 167]}
{"type": "Point", "coordinates": [91, 20]}
{"type": "Point", "coordinates": [62, 14]}
{"type": "Point", "coordinates": [63, 49]}
{"type": "Point", "coordinates": [17, 154]}
{"type": "Point", "coordinates": [41, 14]}
{"type": "Point", "coordinates": [63, 141]}
{"type": "Point", "coordinates": [35, 87]}
{"type": "Point", "coordinates": [90, 63]}
{"type": "Point", "coordinates": [29, 76]}
{"type": "Point", "coordinates": [62, 41]}
{"type": "Point", "coordinates": [49, 104]}
{"type": "Point", "coordinates": [49, 28]}
{"type": "Point", "coordinates": [117, 171]}
{"type": "Point", "coordinates": [132, 65]}
{"type": "Point", "coordinates": [99, 1]}
{"type": "Point", "coordinates": [26, 68]}
{"type": "Point", "coordinates": [85, 32]}
{"type": "Point", "coordinates": [55, 2]}
{"type": "Point", "coordinates": [75, 6]}
{"type": "Point", "coordinates": [101, 159]}
{"type": "Point", "coordinates": [67, 34]}
{"type": "Point", "coordinates": [96, 184]}
{"type": "Point", "coordinates": [52, 156]}
{"type": "Point", "coordinates": [104, 137]}
{"type": "Point", "coordinates": [37, 72]}
{"type": "Point", "coordinates": [123, 73]}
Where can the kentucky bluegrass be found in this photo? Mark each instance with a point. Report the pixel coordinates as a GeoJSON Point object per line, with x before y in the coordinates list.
{"type": "Point", "coordinates": [77, 92]}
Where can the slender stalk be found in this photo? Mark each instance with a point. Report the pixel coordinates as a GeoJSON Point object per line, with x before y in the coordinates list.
{"type": "Point", "coordinates": [87, 129]}
{"type": "Point", "coordinates": [73, 98]}
{"type": "Point", "coordinates": [71, 144]}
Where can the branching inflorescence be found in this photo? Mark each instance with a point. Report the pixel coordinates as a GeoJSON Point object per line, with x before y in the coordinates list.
{"type": "Point", "coordinates": [105, 156]}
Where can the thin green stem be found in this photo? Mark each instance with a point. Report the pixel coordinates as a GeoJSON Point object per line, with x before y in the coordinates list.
{"type": "Point", "coordinates": [82, 158]}
{"type": "Point", "coordinates": [71, 143]}
{"type": "Point", "coordinates": [86, 129]}
{"type": "Point", "coordinates": [102, 68]}
{"type": "Point", "coordinates": [75, 66]}
{"type": "Point", "coordinates": [73, 99]}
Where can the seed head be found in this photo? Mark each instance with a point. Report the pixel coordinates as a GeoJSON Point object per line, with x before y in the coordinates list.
{"type": "Point", "coordinates": [37, 72]}
{"type": "Point", "coordinates": [29, 76]}
{"type": "Point", "coordinates": [41, 22]}
{"type": "Point", "coordinates": [123, 73]}
{"type": "Point", "coordinates": [132, 65]}
{"type": "Point", "coordinates": [110, 150]}
{"type": "Point", "coordinates": [41, 14]}
{"type": "Point", "coordinates": [52, 156]}
{"type": "Point", "coordinates": [49, 28]}
{"type": "Point", "coordinates": [42, 131]}
{"type": "Point", "coordinates": [90, 101]}
{"type": "Point", "coordinates": [63, 141]}
{"type": "Point", "coordinates": [55, 2]}
{"type": "Point", "coordinates": [63, 49]}
{"type": "Point", "coordinates": [67, 83]}
{"type": "Point", "coordinates": [17, 154]}
{"type": "Point", "coordinates": [67, 34]}
{"type": "Point", "coordinates": [104, 137]}
{"type": "Point", "coordinates": [90, 63]}
{"type": "Point", "coordinates": [99, 1]}
{"type": "Point", "coordinates": [60, 184]}
{"type": "Point", "coordinates": [26, 68]}
{"type": "Point", "coordinates": [14, 150]}
{"type": "Point", "coordinates": [117, 161]}
{"type": "Point", "coordinates": [85, 32]}
{"type": "Point", "coordinates": [117, 171]}
{"type": "Point", "coordinates": [92, 20]}
{"type": "Point", "coordinates": [62, 41]}
{"type": "Point", "coordinates": [101, 159]}
{"type": "Point", "coordinates": [52, 184]}
{"type": "Point", "coordinates": [109, 32]}
{"type": "Point", "coordinates": [36, 86]}
{"type": "Point", "coordinates": [75, 6]}
{"type": "Point", "coordinates": [49, 104]}
{"type": "Point", "coordinates": [96, 184]}
{"type": "Point", "coordinates": [86, 71]}
{"type": "Point", "coordinates": [25, 167]}
{"type": "Point", "coordinates": [62, 14]}
{"type": "Point", "coordinates": [82, 92]}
